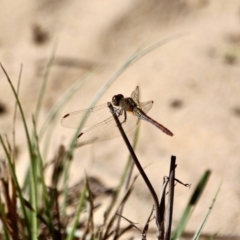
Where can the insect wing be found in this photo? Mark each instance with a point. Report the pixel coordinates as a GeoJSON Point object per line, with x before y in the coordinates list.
{"type": "Point", "coordinates": [106, 129]}
{"type": "Point", "coordinates": [93, 116]}
{"type": "Point", "coordinates": [136, 95]}
{"type": "Point", "coordinates": [146, 106]}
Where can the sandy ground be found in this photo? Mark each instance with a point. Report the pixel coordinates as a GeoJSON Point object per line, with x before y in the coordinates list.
{"type": "Point", "coordinates": [193, 80]}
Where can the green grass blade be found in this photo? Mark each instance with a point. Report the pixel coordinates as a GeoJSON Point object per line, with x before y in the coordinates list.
{"type": "Point", "coordinates": [23, 118]}
{"type": "Point", "coordinates": [40, 100]}
{"type": "Point", "coordinates": [44, 82]}
{"type": "Point", "coordinates": [34, 196]}
{"type": "Point", "coordinates": [132, 59]}
{"type": "Point", "coordinates": [6, 235]}
{"type": "Point", "coordinates": [42, 185]}
{"type": "Point", "coordinates": [21, 112]}
{"type": "Point", "coordinates": [31, 156]}
{"type": "Point", "coordinates": [198, 232]}
{"type": "Point", "coordinates": [191, 205]}
{"type": "Point", "coordinates": [157, 45]}
{"type": "Point", "coordinates": [78, 213]}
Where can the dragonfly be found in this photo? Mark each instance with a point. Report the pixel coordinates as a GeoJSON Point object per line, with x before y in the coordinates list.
{"type": "Point", "coordinates": [100, 125]}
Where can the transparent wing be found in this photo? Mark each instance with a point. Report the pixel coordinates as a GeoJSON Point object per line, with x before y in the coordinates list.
{"type": "Point", "coordinates": [106, 129]}
{"type": "Point", "coordinates": [136, 95]}
{"type": "Point", "coordinates": [146, 106]}
{"type": "Point", "coordinates": [94, 115]}
{"type": "Point", "coordinates": [99, 124]}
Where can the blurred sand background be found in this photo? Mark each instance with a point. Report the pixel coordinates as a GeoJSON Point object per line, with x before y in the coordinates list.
{"type": "Point", "coordinates": [194, 82]}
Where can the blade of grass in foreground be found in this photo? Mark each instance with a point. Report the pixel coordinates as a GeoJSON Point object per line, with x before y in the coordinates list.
{"type": "Point", "coordinates": [197, 234]}
{"type": "Point", "coordinates": [77, 215]}
{"type": "Point", "coordinates": [33, 196]}
{"type": "Point", "coordinates": [53, 113]}
{"type": "Point", "coordinates": [39, 104]}
{"type": "Point", "coordinates": [191, 205]}
{"type": "Point", "coordinates": [44, 82]}
{"type": "Point", "coordinates": [36, 158]}
{"type": "Point", "coordinates": [42, 188]}
{"type": "Point", "coordinates": [21, 112]}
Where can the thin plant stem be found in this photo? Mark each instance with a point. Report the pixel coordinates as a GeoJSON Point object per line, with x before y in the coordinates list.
{"type": "Point", "coordinates": [137, 163]}
{"type": "Point", "coordinates": [44, 83]}
{"type": "Point", "coordinates": [15, 115]}
{"type": "Point", "coordinates": [169, 210]}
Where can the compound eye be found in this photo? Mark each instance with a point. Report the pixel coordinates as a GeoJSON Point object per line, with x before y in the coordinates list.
{"type": "Point", "coordinates": [116, 99]}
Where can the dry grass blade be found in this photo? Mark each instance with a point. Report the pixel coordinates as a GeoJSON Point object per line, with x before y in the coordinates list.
{"type": "Point", "coordinates": [9, 217]}
{"type": "Point", "coordinates": [162, 208]}
{"type": "Point", "coordinates": [123, 231]}
{"type": "Point", "coordinates": [169, 210]}
{"type": "Point", "coordinates": [132, 224]}
{"type": "Point", "coordinates": [145, 229]}
{"type": "Point", "coordinates": [58, 166]}
{"type": "Point", "coordinates": [16, 185]}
